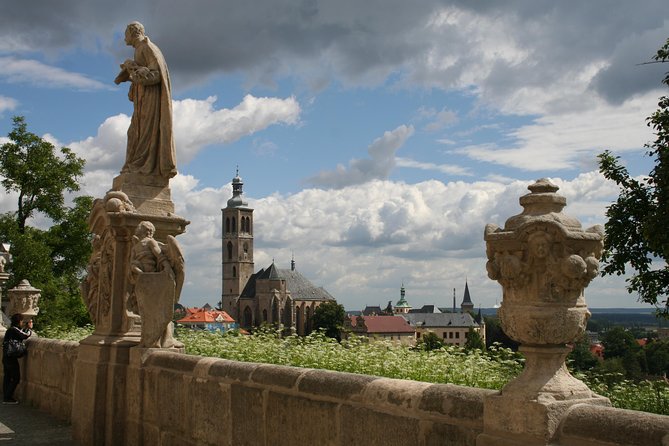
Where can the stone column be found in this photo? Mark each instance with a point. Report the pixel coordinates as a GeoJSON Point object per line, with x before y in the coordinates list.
{"type": "Point", "coordinates": [544, 260]}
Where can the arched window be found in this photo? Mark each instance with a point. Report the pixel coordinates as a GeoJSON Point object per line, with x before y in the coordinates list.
{"type": "Point", "coordinates": [229, 250]}
{"type": "Point", "coordinates": [249, 226]}
{"type": "Point", "coordinates": [227, 225]}
{"type": "Point", "coordinates": [244, 225]}
{"type": "Point", "coordinates": [234, 271]}
{"type": "Point", "coordinates": [234, 225]}
{"type": "Point", "coordinates": [247, 320]}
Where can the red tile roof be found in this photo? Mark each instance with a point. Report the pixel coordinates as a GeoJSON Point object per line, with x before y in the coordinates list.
{"type": "Point", "coordinates": [201, 315]}
{"type": "Point", "coordinates": [385, 324]}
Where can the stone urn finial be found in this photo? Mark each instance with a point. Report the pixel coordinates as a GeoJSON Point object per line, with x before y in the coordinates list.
{"type": "Point", "coordinates": [23, 299]}
{"type": "Point", "coordinates": [543, 260]}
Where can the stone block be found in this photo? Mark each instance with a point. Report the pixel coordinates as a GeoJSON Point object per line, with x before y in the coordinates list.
{"type": "Point", "coordinates": [298, 421]}
{"type": "Point", "coordinates": [342, 386]}
{"type": "Point", "coordinates": [377, 428]}
{"type": "Point", "coordinates": [171, 398]}
{"type": "Point", "coordinates": [394, 393]}
{"type": "Point", "coordinates": [465, 403]}
{"type": "Point", "coordinates": [151, 435]}
{"type": "Point", "coordinates": [171, 361]}
{"type": "Point", "coordinates": [208, 412]}
{"type": "Point", "coordinates": [440, 434]}
{"type": "Point", "coordinates": [275, 375]}
{"type": "Point", "coordinates": [248, 417]}
{"type": "Point", "coordinates": [233, 370]}
{"type": "Point", "coordinates": [587, 424]}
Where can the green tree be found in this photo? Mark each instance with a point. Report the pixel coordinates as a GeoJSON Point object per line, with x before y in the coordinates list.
{"type": "Point", "coordinates": [634, 235]}
{"type": "Point", "coordinates": [429, 341]}
{"type": "Point", "coordinates": [31, 168]}
{"type": "Point", "coordinates": [495, 334]}
{"type": "Point", "coordinates": [618, 342]}
{"type": "Point", "coordinates": [53, 260]}
{"type": "Point", "coordinates": [581, 358]}
{"type": "Point", "coordinates": [657, 357]}
{"type": "Point", "coordinates": [474, 340]}
{"type": "Point", "coordinates": [329, 316]}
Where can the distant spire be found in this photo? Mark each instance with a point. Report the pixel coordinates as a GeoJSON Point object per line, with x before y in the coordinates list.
{"type": "Point", "coordinates": [453, 300]}
{"type": "Point", "coordinates": [467, 304]}
{"type": "Point", "coordinates": [237, 191]}
{"type": "Point", "coordinates": [292, 261]}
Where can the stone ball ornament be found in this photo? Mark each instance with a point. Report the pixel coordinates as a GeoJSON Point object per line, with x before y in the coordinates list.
{"type": "Point", "coordinates": [543, 259]}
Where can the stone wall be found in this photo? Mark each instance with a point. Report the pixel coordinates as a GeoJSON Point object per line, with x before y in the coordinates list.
{"type": "Point", "coordinates": [47, 376]}
{"type": "Point", "coordinates": [191, 400]}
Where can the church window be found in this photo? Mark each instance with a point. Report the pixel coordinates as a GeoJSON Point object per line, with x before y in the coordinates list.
{"type": "Point", "coordinates": [229, 250]}
{"type": "Point", "coordinates": [234, 225]}
{"type": "Point", "coordinates": [234, 271]}
{"type": "Point", "coordinates": [450, 335]}
{"type": "Point", "coordinates": [457, 335]}
{"type": "Point", "coordinates": [227, 225]}
{"type": "Point", "coordinates": [246, 248]}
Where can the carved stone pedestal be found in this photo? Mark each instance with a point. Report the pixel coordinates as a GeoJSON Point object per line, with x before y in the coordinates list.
{"type": "Point", "coordinates": [544, 260]}
{"type": "Point", "coordinates": [105, 374]}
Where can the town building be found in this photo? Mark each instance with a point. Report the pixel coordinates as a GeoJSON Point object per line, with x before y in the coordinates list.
{"type": "Point", "coordinates": [451, 326]}
{"type": "Point", "coordinates": [271, 295]}
{"type": "Point", "coordinates": [208, 319]}
{"type": "Point", "coordinates": [390, 328]}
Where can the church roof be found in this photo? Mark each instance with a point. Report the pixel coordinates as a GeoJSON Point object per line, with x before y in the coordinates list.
{"type": "Point", "coordinates": [433, 320]}
{"type": "Point", "coordinates": [300, 287]}
{"type": "Point", "coordinates": [467, 299]}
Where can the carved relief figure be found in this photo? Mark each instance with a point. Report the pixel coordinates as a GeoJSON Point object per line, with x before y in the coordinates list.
{"type": "Point", "coordinates": [150, 148]}
{"type": "Point", "coordinates": [156, 277]}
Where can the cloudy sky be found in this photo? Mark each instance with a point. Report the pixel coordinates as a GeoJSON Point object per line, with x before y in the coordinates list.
{"type": "Point", "coordinates": [375, 139]}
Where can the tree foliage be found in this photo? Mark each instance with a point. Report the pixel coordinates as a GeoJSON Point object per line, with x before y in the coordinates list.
{"type": "Point", "coordinates": [53, 260]}
{"type": "Point", "coordinates": [429, 341]}
{"type": "Point", "coordinates": [474, 340]}
{"type": "Point", "coordinates": [635, 229]}
{"type": "Point", "coordinates": [31, 168]}
{"type": "Point", "coordinates": [329, 316]}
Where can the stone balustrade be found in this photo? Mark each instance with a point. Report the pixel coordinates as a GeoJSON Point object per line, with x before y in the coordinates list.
{"type": "Point", "coordinates": [193, 400]}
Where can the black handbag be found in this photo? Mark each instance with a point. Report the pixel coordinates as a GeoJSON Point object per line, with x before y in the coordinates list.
{"type": "Point", "coordinates": [15, 348]}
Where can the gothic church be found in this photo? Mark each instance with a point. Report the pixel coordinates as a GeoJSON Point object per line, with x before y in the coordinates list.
{"type": "Point", "coordinates": [272, 295]}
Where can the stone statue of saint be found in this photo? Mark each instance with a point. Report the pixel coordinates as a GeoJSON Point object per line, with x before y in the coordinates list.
{"type": "Point", "coordinates": [157, 276]}
{"type": "Point", "coordinates": [150, 141]}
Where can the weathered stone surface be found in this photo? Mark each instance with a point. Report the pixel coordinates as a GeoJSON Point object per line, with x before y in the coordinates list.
{"type": "Point", "coordinates": [395, 393]}
{"type": "Point", "coordinates": [299, 421]}
{"type": "Point", "coordinates": [455, 401]}
{"type": "Point", "coordinates": [377, 429]}
{"type": "Point", "coordinates": [272, 375]}
{"type": "Point", "coordinates": [207, 412]}
{"type": "Point", "coordinates": [334, 384]}
{"type": "Point", "coordinates": [171, 361]}
{"type": "Point", "coordinates": [233, 370]}
{"type": "Point", "coordinates": [440, 434]}
{"type": "Point", "coordinates": [248, 416]}
{"type": "Point", "coordinates": [587, 424]}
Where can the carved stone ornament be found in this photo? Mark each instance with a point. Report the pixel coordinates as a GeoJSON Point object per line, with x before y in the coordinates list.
{"type": "Point", "coordinates": [543, 260]}
{"type": "Point", "coordinates": [23, 300]}
{"type": "Point", "coordinates": [156, 276]}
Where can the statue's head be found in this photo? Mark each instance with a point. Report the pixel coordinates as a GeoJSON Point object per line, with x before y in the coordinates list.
{"type": "Point", "coordinates": [145, 229]}
{"type": "Point", "coordinates": [134, 32]}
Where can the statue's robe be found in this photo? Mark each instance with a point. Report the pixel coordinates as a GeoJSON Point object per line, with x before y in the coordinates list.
{"type": "Point", "coordinates": [150, 141]}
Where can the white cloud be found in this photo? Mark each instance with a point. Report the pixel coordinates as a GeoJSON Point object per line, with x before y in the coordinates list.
{"type": "Point", "coordinates": [17, 70]}
{"type": "Point", "coordinates": [451, 169]}
{"type": "Point", "coordinates": [7, 104]}
{"type": "Point", "coordinates": [380, 163]}
{"type": "Point", "coordinates": [572, 140]}
{"type": "Point", "coordinates": [375, 235]}
{"type": "Point", "coordinates": [197, 123]}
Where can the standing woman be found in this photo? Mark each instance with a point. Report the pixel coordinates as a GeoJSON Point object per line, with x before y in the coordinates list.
{"type": "Point", "coordinates": [11, 365]}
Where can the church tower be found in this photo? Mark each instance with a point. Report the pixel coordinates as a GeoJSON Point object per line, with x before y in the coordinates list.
{"type": "Point", "coordinates": [237, 249]}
